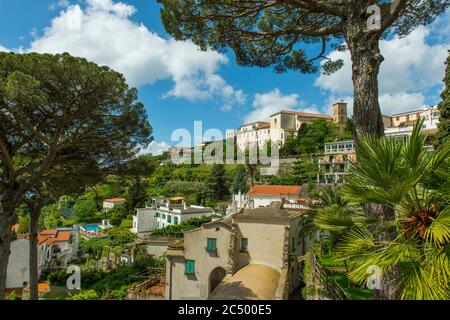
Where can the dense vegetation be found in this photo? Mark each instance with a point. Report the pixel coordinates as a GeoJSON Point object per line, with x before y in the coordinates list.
{"type": "Point", "coordinates": [177, 230]}
{"type": "Point", "coordinates": [112, 284]}
{"type": "Point", "coordinates": [413, 184]}
{"type": "Point", "coordinates": [444, 107]}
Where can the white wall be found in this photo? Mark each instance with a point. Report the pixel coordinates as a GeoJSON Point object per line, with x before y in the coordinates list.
{"type": "Point", "coordinates": [144, 220]}
{"type": "Point", "coordinates": [263, 201]}
{"type": "Point", "coordinates": [265, 243]}
{"type": "Point", "coordinates": [18, 264]}
{"type": "Point", "coordinates": [161, 222]}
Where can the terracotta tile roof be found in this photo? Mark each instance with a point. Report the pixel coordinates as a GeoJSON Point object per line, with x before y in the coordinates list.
{"type": "Point", "coordinates": [269, 190]}
{"type": "Point", "coordinates": [305, 114]}
{"type": "Point", "coordinates": [52, 236]}
{"type": "Point", "coordinates": [42, 287]}
{"type": "Point", "coordinates": [115, 200]}
{"type": "Point", "coordinates": [263, 126]}
{"type": "Point", "coordinates": [253, 123]}
{"type": "Point", "coordinates": [49, 232]}
{"type": "Point", "coordinates": [42, 239]}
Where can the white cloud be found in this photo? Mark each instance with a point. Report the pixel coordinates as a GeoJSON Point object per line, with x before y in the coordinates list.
{"type": "Point", "coordinates": [401, 102]}
{"type": "Point", "coordinates": [266, 104]}
{"type": "Point", "coordinates": [155, 148]}
{"type": "Point", "coordinates": [3, 49]}
{"type": "Point", "coordinates": [411, 66]}
{"type": "Point", "coordinates": [103, 32]}
{"type": "Point", "coordinates": [59, 4]}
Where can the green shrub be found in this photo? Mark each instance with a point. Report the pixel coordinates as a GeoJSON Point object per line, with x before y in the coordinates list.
{"type": "Point", "coordinates": [177, 230]}
{"type": "Point", "coordinates": [84, 295]}
{"type": "Point", "coordinates": [126, 224]}
{"type": "Point", "coordinates": [13, 296]}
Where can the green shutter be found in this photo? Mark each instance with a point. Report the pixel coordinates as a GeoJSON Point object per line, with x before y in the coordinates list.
{"type": "Point", "coordinates": [211, 244]}
{"type": "Point", "coordinates": [244, 244]}
{"type": "Point", "coordinates": [190, 267]}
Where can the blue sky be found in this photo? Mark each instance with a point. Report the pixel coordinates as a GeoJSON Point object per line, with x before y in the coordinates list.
{"type": "Point", "coordinates": [178, 84]}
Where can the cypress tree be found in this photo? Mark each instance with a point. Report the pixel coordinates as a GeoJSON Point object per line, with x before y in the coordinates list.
{"type": "Point", "coordinates": [240, 181]}
{"type": "Point", "coordinates": [444, 108]}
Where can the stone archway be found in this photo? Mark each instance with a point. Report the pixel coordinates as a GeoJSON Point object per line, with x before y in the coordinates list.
{"type": "Point", "coordinates": [215, 278]}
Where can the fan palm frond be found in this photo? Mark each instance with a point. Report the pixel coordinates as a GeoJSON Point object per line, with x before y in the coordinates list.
{"type": "Point", "coordinates": [438, 231]}
{"type": "Point", "coordinates": [418, 284]}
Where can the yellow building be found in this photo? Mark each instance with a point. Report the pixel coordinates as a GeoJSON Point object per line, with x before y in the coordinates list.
{"type": "Point", "coordinates": [247, 255]}
{"type": "Point", "coordinates": [333, 165]}
{"type": "Point", "coordinates": [339, 112]}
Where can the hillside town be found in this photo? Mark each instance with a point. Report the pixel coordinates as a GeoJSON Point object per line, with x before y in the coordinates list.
{"type": "Point", "coordinates": [262, 151]}
{"type": "Point", "coordinates": [249, 246]}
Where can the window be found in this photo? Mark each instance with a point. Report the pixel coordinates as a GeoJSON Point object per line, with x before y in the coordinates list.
{"type": "Point", "coordinates": [293, 244]}
{"type": "Point", "coordinates": [169, 218]}
{"type": "Point", "coordinates": [211, 244]}
{"type": "Point", "coordinates": [190, 267]}
{"type": "Point", "coordinates": [175, 220]}
{"type": "Point", "coordinates": [156, 214]}
{"type": "Point", "coordinates": [244, 244]}
{"type": "Point", "coordinates": [164, 216]}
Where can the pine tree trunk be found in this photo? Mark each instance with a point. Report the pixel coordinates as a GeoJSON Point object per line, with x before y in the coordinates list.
{"type": "Point", "coordinates": [5, 242]}
{"type": "Point", "coordinates": [7, 219]}
{"type": "Point", "coordinates": [389, 289]}
{"type": "Point", "coordinates": [34, 273]}
{"type": "Point", "coordinates": [366, 60]}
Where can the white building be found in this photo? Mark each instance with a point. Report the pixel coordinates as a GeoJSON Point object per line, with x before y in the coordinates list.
{"type": "Point", "coordinates": [264, 195]}
{"type": "Point", "coordinates": [18, 272]}
{"type": "Point", "coordinates": [144, 220]}
{"type": "Point", "coordinates": [161, 214]}
{"type": "Point", "coordinates": [283, 124]}
{"type": "Point", "coordinates": [55, 249]}
{"type": "Point", "coordinates": [287, 122]}
{"type": "Point", "coordinates": [62, 246]}
{"type": "Point", "coordinates": [108, 204]}
{"type": "Point", "coordinates": [402, 124]}
{"type": "Point", "coordinates": [251, 134]}
{"type": "Point", "coordinates": [333, 165]}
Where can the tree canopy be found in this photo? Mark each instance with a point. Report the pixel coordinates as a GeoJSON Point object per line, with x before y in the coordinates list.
{"type": "Point", "coordinates": [57, 110]}
{"type": "Point", "coordinates": [216, 185]}
{"type": "Point", "coordinates": [298, 34]}
{"type": "Point", "coordinates": [310, 138]}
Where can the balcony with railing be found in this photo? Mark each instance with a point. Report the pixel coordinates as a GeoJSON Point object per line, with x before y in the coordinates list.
{"type": "Point", "coordinates": [340, 147]}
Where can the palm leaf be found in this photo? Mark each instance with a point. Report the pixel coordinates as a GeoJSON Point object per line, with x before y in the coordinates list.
{"type": "Point", "coordinates": [439, 230]}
